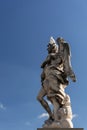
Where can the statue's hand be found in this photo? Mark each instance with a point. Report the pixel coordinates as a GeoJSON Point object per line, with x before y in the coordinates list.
{"type": "Point", "coordinates": [43, 65]}
{"type": "Point", "coordinates": [71, 74]}
{"type": "Point", "coordinates": [73, 78]}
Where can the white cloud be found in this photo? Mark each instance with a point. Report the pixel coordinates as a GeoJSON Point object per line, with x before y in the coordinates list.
{"type": "Point", "coordinates": [49, 103]}
{"type": "Point", "coordinates": [74, 115]}
{"type": "Point", "coordinates": [43, 115]}
{"type": "Point", "coordinates": [2, 107]}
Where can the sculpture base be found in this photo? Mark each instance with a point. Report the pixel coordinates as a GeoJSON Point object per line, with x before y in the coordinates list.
{"type": "Point", "coordinates": [60, 129]}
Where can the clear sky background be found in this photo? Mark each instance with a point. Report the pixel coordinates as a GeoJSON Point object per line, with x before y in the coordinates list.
{"type": "Point", "coordinates": [25, 29]}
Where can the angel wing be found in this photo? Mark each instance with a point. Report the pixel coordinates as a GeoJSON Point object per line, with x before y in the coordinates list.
{"type": "Point", "coordinates": [67, 62]}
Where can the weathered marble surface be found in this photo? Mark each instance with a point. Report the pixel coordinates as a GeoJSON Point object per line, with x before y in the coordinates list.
{"type": "Point", "coordinates": [55, 78]}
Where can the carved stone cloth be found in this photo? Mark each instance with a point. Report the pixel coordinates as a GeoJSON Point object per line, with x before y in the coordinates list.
{"type": "Point", "coordinates": [52, 84]}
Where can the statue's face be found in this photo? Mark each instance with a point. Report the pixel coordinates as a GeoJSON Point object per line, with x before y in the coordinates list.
{"type": "Point", "coordinates": [60, 40]}
{"type": "Point", "coordinates": [50, 48]}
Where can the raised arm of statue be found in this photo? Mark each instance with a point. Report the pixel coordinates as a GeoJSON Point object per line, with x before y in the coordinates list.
{"type": "Point", "coordinates": [46, 61]}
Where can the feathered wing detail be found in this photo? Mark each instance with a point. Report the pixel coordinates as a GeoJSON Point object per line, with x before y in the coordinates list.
{"type": "Point", "coordinates": [67, 62]}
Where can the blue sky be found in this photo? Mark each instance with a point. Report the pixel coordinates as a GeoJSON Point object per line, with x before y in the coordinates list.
{"type": "Point", "coordinates": [25, 29]}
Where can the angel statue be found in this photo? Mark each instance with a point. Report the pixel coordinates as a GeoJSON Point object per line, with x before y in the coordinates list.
{"type": "Point", "coordinates": [55, 76]}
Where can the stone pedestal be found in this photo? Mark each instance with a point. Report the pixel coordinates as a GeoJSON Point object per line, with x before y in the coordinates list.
{"type": "Point", "coordinates": [60, 129]}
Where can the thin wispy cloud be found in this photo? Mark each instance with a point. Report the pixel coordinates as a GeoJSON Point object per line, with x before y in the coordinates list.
{"type": "Point", "coordinates": [74, 116]}
{"type": "Point", "coordinates": [43, 115]}
{"type": "Point", "coordinates": [2, 107]}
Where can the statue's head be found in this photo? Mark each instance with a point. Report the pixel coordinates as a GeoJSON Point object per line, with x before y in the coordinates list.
{"type": "Point", "coordinates": [52, 47]}
{"type": "Point", "coordinates": [60, 40]}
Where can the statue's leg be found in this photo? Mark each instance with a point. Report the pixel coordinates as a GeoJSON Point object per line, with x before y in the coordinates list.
{"type": "Point", "coordinates": [40, 98]}
{"type": "Point", "coordinates": [56, 106]}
